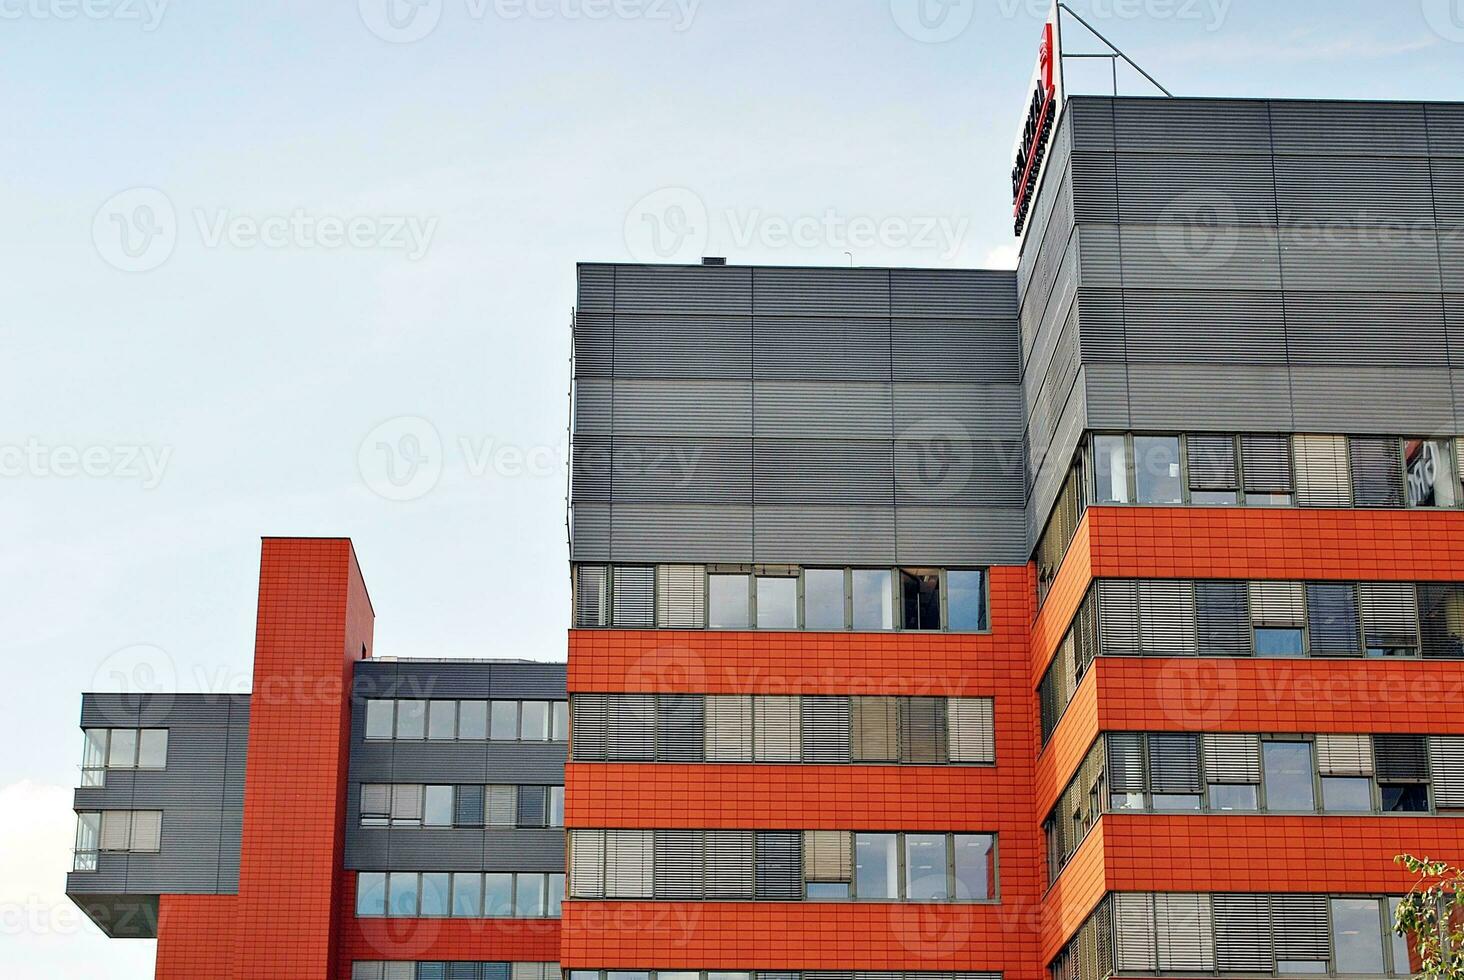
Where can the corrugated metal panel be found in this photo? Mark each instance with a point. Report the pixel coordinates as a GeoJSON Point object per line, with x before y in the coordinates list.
{"type": "Point", "coordinates": [1202, 326]}
{"type": "Point", "coordinates": [955, 535]}
{"type": "Point", "coordinates": [829, 348]}
{"type": "Point", "coordinates": [824, 472]}
{"type": "Point", "coordinates": [1046, 302]}
{"type": "Point", "coordinates": [696, 409]}
{"type": "Point", "coordinates": [823, 410]}
{"type": "Point", "coordinates": [683, 289]}
{"type": "Point", "coordinates": [1345, 399]}
{"type": "Point", "coordinates": [1099, 255]}
{"type": "Point", "coordinates": [1201, 189]}
{"type": "Point", "coordinates": [1350, 128]}
{"type": "Point", "coordinates": [1360, 259]}
{"type": "Point", "coordinates": [1192, 125]}
{"type": "Point", "coordinates": [945, 293]}
{"type": "Point", "coordinates": [1454, 318]}
{"type": "Point", "coordinates": [1094, 187]}
{"type": "Point", "coordinates": [1323, 193]}
{"type": "Point", "coordinates": [822, 291]}
{"type": "Point", "coordinates": [648, 470]}
{"type": "Point", "coordinates": [940, 349]}
{"type": "Point", "coordinates": [1448, 192]}
{"type": "Point", "coordinates": [1451, 260]}
{"type": "Point", "coordinates": [590, 469]}
{"type": "Point", "coordinates": [592, 406]}
{"type": "Point", "coordinates": [685, 532]}
{"type": "Point", "coordinates": [1091, 122]}
{"type": "Point", "coordinates": [594, 344]}
{"type": "Point", "coordinates": [932, 470]}
{"type": "Point", "coordinates": [595, 287]}
{"type": "Point", "coordinates": [1364, 328]}
{"type": "Point", "coordinates": [1196, 257]}
{"type": "Point", "coordinates": [1204, 397]}
{"type": "Point", "coordinates": [1446, 128]}
{"type": "Point", "coordinates": [1051, 219]}
{"type": "Point", "coordinates": [1107, 386]}
{"type": "Point", "coordinates": [670, 345]}
{"type": "Point", "coordinates": [965, 411]}
{"type": "Point", "coordinates": [828, 534]}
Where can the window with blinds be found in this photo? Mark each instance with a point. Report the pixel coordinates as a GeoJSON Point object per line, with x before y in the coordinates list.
{"type": "Point", "coordinates": [1266, 467]}
{"type": "Point", "coordinates": [1214, 469]}
{"type": "Point", "coordinates": [1377, 472]}
{"type": "Point", "coordinates": [1323, 475]}
{"type": "Point", "coordinates": [681, 596]}
{"type": "Point", "coordinates": [1389, 618]}
{"type": "Point", "coordinates": [1333, 628]}
{"type": "Point", "coordinates": [452, 970]}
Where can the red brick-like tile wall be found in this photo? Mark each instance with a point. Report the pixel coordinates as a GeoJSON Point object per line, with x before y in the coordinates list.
{"type": "Point", "coordinates": [195, 936]}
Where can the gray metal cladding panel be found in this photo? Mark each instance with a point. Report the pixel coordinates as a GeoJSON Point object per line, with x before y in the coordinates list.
{"type": "Point", "coordinates": [1189, 257]}
{"type": "Point", "coordinates": [824, 471]}
{"type": "Point", "coordinates": [1050, 471]}
{"type": "Point", "coordinates": [1094, 183]}
{"type": "Point", "coordinates": [989, 473]}
{"type": "Point", "coordinates": [1365, 328]}
{"type": "Point", "coordinates": [594, 344]}
{"type": "Point", "coordinates": [720, 290]}
{"type": "Point", "coordinates": [1099, 256]}
{"type": "Point", "coordinates": [939, 349]}
{"type": "Point", "coordinates": [590, 468]}
{"type": "Point", "coordinates": [946, 535]}
{"type": "Point", "coordinates": [1202, 397]}
{"type": "Point", "coordinates": [944, 293]}
{"type": "Point", "coordinates": [110, 878]}
{"type": "Point", "coordinates": [592, 406]}
{"type": "Point", "coordinates": [1204, 326]}
{"type": "Point", "coordinates": [1107, 402]}
{"type": "Point", "coordinates": [696, 409]}
{"type": "Point", "coordinates": [433, 850]}
{"type": "Point", "coordinates": [1451, 259]}
{"type": "Point", "coordinates": [1091, 121]}
{"type": "Point", "coordinates": [1050, 227]}
{"type": "Point", "coordinates": [1349, 128]}
{"type": "Point", "coordinates": [596, 287]}
{"type": "Point", "coordinates": [1367, 259]}
{"type": "Point", "coordinates": [671, 345]}
{"type": "Point", "coordinates": [1316, 190]}
{"type": "Point", "coordinates": [1448, 192]}
{"type": "Point", "coordinates": [1197, 188]}
{"type": "Point", "coordinates": [682, 470]}
{"type": "Point", "coordinates": [834, 534]}
{"type": "Point", "coordinates": [1101, 315]}
{"type": "Point", "coordinates": [835, 348]}
{"type": "Point", "coordinates": [682, 532]}
{"type": "Point", "coordinates": [825, 292]}
{"type": "Point", "coordinates": [1358, 399]}
{"type": "Point", "coordinates": [231, 833]}
{"type": "Point", "coordinates": [531, 680]}
{"type": "Point", "coordinates": [1041, 321]}
{"type": "Point", "coordinates": [1160, 125]}
{"type": "Point", "coordinates": [188, 860]}
{"type": "Point", "coordinates": [962, 411]}
{"type": "Point", "coordinates": [523, 850]}
{"type": "Point", "coordinates": [1454, 317]}
{"type": "Point", "coordinates": [431, 762]}
{"type": "Point", "coordinates": [590, 530]}
{"type": "Point", "coordinates": [1446, 129]}
{"type": "Point", "coordinates": [368, 848]}
{"type": "Point", "coordinates": [827, 409]}
{"type": "Point", "coordinates": [1058, 255]}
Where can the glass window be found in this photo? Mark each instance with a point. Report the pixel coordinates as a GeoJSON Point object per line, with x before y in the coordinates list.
{"type": "Point", "coordinates": [966, 600]}
{"type": "Point", "coordinates": [1125, 801]}
{"type": "Point", "coordinates": [437, 810]}
{"type": "Point", "coordinates": [1176, 801]}
{"type": "Point", "coordinates": [828, 889]}
{"type": "Point", "coordinates": [1156, 468]}
{"type": "Point", "coordinates": [559, 731]}
{"type": "Point", "coordinates": [94, 757]}
{"type": "Point", "coordinates": [122, 753]}
{"type": "Point", "coordinates": [975, 862]}
{"type": "Point", "coordinates": [436, 891]}
{"type": "Point", "coordinates": [528, 897]}
{"type": "Point", "coordinates": [401, 896]}
{"type": "Point", "coordinates": [556, 806]}
{"type": "Point", "coordinates": [727, 607]}
{"type": "Point", "coordinates": [1110, 470]}
{"type": "Point", "coordinates": [1301, 966]}
{"type": "Point", "coordinates": [379, 719]}
{"type": "Point", "coordinates": [1239, 797]}
{"type": "Point", "coordinates": [777, 603]}
{"type": "Point", "coordinates": [875, 866]}
{"type": "Point", "coordinates": [1273, 642]}
{"type": "Point", "coordinates": [823, 598]}
{"type": "Point", "coordinates": [147, 831]}
{"type": "Point", "coordinates": [920, 598]}
{"type": "Point", "coordinates": [1404, 797]}
{"type": "Point", "coordinates": [467, 895]}
{"type": "Point", "coordinates": [497, 895]}
{"type": "Point", "coordinates": [1289, 770]}
{"type": "Point", "coordinates": [925, 867]}
{"type": "Point", "coordinates": [1430, 473]}
{"type": "Point", "coordinates": [1403, 965]}
{"type": "Point", "coordinates": [504, 721]}
{"type": "Point", "coordinates": [874, 606]}
{"type": "Point", "coordinates": [152, 748]}
{"type": "Point", "coordinates": [473, 720]}
{"type": "Point", "coordinates": [371, 892]}
{"type": "Point", "coordinates": [411, 719]}
{"type": "Point", "coordinates": [442, 720]}
{"type": "Point", "coordinates": [88, 841]}
{"type": "Point", "coordinates": [1357, 933]}
{"type": "Point", "coordinates": [534, 721]}
{"type": "Point", "coordinates": [555, 895]}
{"type": "Point", "coordinates": [1347, 794]}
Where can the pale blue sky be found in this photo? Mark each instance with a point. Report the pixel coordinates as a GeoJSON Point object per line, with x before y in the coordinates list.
{"type": "Point", "coordinates": [505, 148]}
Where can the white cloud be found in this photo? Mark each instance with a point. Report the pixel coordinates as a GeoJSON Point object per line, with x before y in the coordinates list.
{"type": "Point", "coordinates": [1002, 257]}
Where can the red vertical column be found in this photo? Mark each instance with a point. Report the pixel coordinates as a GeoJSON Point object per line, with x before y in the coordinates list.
{"type": "Point", "coordinates": [315, 622]}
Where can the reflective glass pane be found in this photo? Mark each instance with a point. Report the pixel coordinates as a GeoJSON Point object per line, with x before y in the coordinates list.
{"type": "Point", "coordinates": [556, 806]}
{"type": "Point", "coordinates": [437, 808]}
{"type": "Point", "coordinates": [1110, 470]}
{"type": "Point", "coordinates": [1234, 797]}
{"type": "Point", "coordinates": [875, 866]}
{"type": "Point", "coordinates": [371, 893]}
{"type": "Point", "coordinates": [1176, 801]}
{"type": "Point", "coordinates": [966, 600]}
{"type": "Point", "coordinates": [828, 890]}
{"type": "Point", "coordinates": [1289, 776]}
{"type": "Point", "coordinates": [559, 729]}
{"type": "Point", "coordinates": [1357, 931]}
{"type": "Point", "coordinates": [823, 599]}
{"type": "Point", "coordinates": [1156, 469]}
{"type": "Point", "coordinates": [442, 720]}
{"type": "Point", "coordinates": [528, 898]}
{"type": "Point", "coordinates": [473, 720]}
{"type": "Point", "coordinates": [1430, 473]}
{"type": "Point", "coordinates": [727, 602]}
{"type": "Point", "coordinates": [467, 895]}
{"type": "Point", "coordinates": [402, 894]}
{"type": "Point", "coordinates": [497, 895]}
{"type": "Point", "coordinates": [1279, 642]}
{"type": "Point", "coordinates": [534, 721]}
{"type": "Point", "coordinates": [925, 867]}
{"type": "Point", "coordinates": [379, 719]}
{"type": "Point", "coordinates": [920, 598]}
{"type": "Point", "coordinates": [777, 603]}
{"type": "Point", "coordinates": [411, 719]}
{"type": "Point", "coordinates": [975, 860]}
{"type": "Point", "coordinates": [555, 895]}
{"type": "Point", "coordinates": [122, 753]}
{"type": "Point", "coordinates": [1403, 964]}
{"type": "Point", "coordinates": [1404, 798]}
{"type": "Point", "coordinates": [436, 888]}
{"type": "Point", "coordinates": [874, 602]}
{"type": "Point", "coordinates": [1347, 794]}
{"type": "Point", "coordinates": [504, 721]}
{"type": "Point", "coordinates": [152, 748]}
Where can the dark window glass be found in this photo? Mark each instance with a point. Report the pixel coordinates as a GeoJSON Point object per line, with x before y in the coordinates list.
{"type": "Point", "coordinates": [966, 600]}
{"type": "Point", "coordinates": [920, 599]}
{"type": "Point", "coordinates": [1404, 798]}
{"type": "Point", "coordinates": [823, 599]}
{"type": "Point", "coordinates": [1430, 473]}
{"type": "Point", "coordinates": [1289, 776]}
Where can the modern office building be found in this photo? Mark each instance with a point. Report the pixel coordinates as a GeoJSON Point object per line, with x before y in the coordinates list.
{"type": "Point", "coordinates": [1101, 618]}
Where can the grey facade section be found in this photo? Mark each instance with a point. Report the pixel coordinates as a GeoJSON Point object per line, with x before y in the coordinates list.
{"type": "Point", "coordinates": [1241, 265]}
{"type": "Point", "coordinates": [452, 763]}
{"type": "Point", "coordinates": [200, 793]}
{"type": "Point", "coordinates": [793, 415]}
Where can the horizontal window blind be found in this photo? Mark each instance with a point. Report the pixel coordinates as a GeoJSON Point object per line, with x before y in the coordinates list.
{"type": "Point", "coordinates": [1118, 617]}
{"type": "Point", "coordinates": [1266, 464]}
{"type": "Point", "coordinates": [632, 735]}
{"type": "Point", "coordinates": [1232, 758]}
{"type": "Point", "coordinates": [1212, 462]}
{"type": "Point", "coordinates": [1323, 478]}
{"type": "Point", "coordinates": [1174, 763]}
{"type": "Point", "coordinates": [827, 855]}
{"type": "Point", "coordinates": [777, 727]}
{"type": "Point", "coordinates": [1345, 755]}
{"type": "Point", "coordinates": [680, 728]}
{"type": "Point", "coordinates": [590, 721]}
{"type": "Point", "coordinates": [730, 861]}
{"type": "Point", "coordinates": [1446, 769]}
{"type": "Point", "coordinates": [1244, 942]}
{"type": "Point", "coordinates": [590, 585]}
{"type": "Point", "coordinates": [729, 728]}
{"type": "Point", "coordinates": [634, 590]}
{"type": "Point", "coordinates": [1377, 472]}
{"type": "Point", "coordinates": [681, 596]}
{"type": "Point", "coordinates": [1185, 932]}
{"type": "Point", "coordinates": [1222, 619]}
{"type": "Point", "coordinates": [923, 730]}
{"type": "Point", "coordinates": [1135, 944]}
{"type": "Point", "coordinates": [1125, 762]}
{"type": "Point", "coordinates": [779, 866]}
{"type": "Point", "coordinates": [586, 863]}
{"type": "Point", "coordinates": [972, 729]}
{"type": "Point", "coordinates": [500, 807]}
{"type": "Point", "coordinates": [468, 806]}
{"type": "Point", "coordinates": [1278, 604]}
{"type": "Point", "coordinates": [825, 729]}
{"type": "Point", "coordinates": [1299, 923]}
{"type": "Point", "coordinates": [876, 729]}
{"type": "Point", "coordinates": [679, 871]}
{"type": "Point", "coordinates": [1441, 618]}
{"type": "Point", "coordinates": [1332, 621]}
{"type": "Point", "coordinates": [629, 864]}
{"type": "Point", "coordinates": [1401, 757]}
{"type": "Point", "coordinates": [1389, 614]}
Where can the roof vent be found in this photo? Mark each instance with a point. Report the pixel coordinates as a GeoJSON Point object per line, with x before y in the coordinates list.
{"type": "Point", "coordinates": [714, 260]}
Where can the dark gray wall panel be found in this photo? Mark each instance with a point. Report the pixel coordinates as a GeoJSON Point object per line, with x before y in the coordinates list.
{"type": "Point", "coordinates": [724, 290]}
{"type": "Point", "coordinates": [1349, 128]}
{"type": "Point", "coordinates": [695, 409]}
{"type": "Point", "coordinates": [590, 530]}
{"type": "Point", "coordinates": [672, 345]}
{"type": "Point", "coordinates": [1182, 256]}
{"type": "Point", "coordinates": [826, 471]}
{"type": "Point", "coordinates": [594, 344]}
{"type": "Point", "coordinates": [834, 348]}
{"type": "Point", "coordinates": [824, 292]}
{"type": "Point", "coordinates": [1158, 125]}
{"type": "Point", "coordinates": [947, 535]}
{"type": "Point", "coordinates": [596, 288]}
{"type": "Point", "coordinates": [1094, 183]}
{"type": "Point", "coordinates": [1204, 396]}
{"type": "Point", "coordinates": [1454, 320]}
{"type": "Point", "coordinates": [714, 471]}
{"type": "Point", "coordinates": [1446, 129]}
{"type": "Point", "coordinates": [1324, 191]}
{"type": "Point", "coordinates": [592, 401]}
{"type": "Point", "coordinates": [689, 532]}
{"type": "Point", "coordinates": [943, 349]}
{"type": "Point", "coordinates": [1367, 259]}
{"type": "Point", "coordinates": [1199, 188]}
{"type": "Point", "coordinates": [1451, 260]}
{"type": "Point", "coordinates": [1106, 386]}
{"type": "Point", "coordinates": [834, 535]}
{"type": "Point", "coordinates": [947, 293]}
{"type": "Point", "coordinates": [1448, 192]}
{"type": "Point", "coordinates": [960, 411]}
{"type": "Point", "coordinates": [1367, 328]}
{"type": "Point", "coordinates": [1091, 121]}
{"type": "Point", "coordinates": [1210, 326]}
{"type": "Point", "coordinates": [1385, 400]}
{"type": "Point", "coordinates": [833, 409]}
{"type": "Point", "coordinates": [987, 473]}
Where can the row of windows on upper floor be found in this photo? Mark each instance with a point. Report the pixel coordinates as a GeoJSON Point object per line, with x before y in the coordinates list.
{"type": "Point", "coordinates": [1257, 470]}
{"type": "Point", "coordinates": [458, 895]}
{"type": "Point", "coordinates": [1174, 772]}
{"type": "Point", "coordinates": [415, 806]}
{"type": "Point", "coordinates": [452, 970]}
{"type": "Point", "coordinates": [121, 748]}
{"type": "Point", "coordinates": [817, 729]}
{"type": "Point", "coordinates": [416, 719]}
{"type": "Point", "coordinates": [775, 975]}
{"type": "Point", "coordinates": [779, 597]}
{"type": "Point", "coordinates": [1228, 618]}
{"type": "Point", "coordinates": [782, 866]}
{"type": "Point", "coordinates": [115, 831]}
{"type": "Point", "coordinates": [1143, 934]}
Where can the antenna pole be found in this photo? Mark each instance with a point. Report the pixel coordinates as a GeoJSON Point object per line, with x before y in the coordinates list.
{"type": "Point", "coordinates": [1116, 50]}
